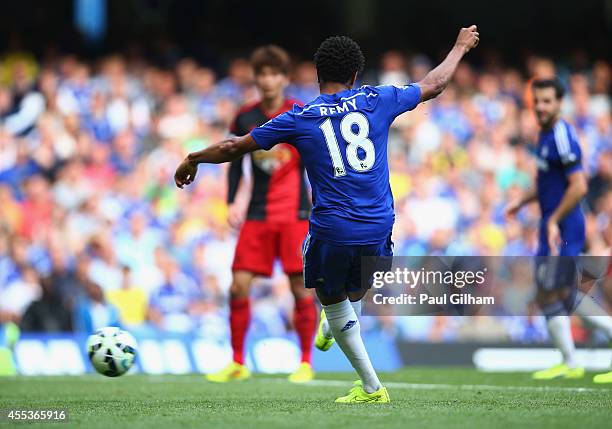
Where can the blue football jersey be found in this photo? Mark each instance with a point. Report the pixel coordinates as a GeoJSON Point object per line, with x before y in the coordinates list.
{"type": "Point", "coordinates": [342, 140]}
{"type": "Point", "coordinates": [558, 156]}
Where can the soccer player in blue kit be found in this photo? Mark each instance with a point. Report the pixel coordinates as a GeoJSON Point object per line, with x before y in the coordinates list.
{"type": "Point", "coordinates": [342, 139]}
{"type": "Point", "coordinates": [560, 186]}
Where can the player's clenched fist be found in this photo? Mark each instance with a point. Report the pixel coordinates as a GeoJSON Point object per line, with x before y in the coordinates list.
{"type": "Point", "coordinates": [468, 38]}
{"type": "Point", "coordinates": [185, 173]}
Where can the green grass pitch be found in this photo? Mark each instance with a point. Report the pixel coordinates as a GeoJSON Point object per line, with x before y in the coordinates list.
{"type": "Point", "coordinates": [421, 398]}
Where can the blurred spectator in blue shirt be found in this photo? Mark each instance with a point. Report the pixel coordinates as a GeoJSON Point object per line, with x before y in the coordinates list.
{"type": "Point", "coordinates": [238, 85]}
{"type": "Point", "coordinates": [173, 303]}
{"type": "Point", "coordinates": [93, 312]}
{"type": "Point", "coordinates": [304, 86]}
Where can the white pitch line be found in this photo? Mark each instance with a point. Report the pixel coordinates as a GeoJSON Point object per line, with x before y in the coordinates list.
{"type": "Point", "coordinates": [180, 379]}
{"type": "Point", "coordinates": [394, 385]}
{"type": "Point", "coordinates": [441, 386]}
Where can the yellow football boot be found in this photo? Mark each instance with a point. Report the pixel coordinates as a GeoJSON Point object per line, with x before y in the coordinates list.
{"type": "Point", "coordinates": [303, 374]}
{"type": "Point", "coordinates": [321, 341]}
{"type": "Point", "coordinates": [559, 371]}
{"type": "Point", "coordinates": [357, 395]}
{"type": "Point", "coordinates": [603, 378]}
{"type": "Point", "coordinates": [233, 372]}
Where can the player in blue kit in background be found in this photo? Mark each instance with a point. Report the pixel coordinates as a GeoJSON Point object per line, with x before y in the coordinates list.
{"type": "Point", "coordinates": [560, 187]}
{"type": "Point", "coordinates": [342, 140]}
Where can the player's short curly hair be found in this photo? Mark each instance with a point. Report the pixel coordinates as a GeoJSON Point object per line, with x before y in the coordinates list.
{"type": "Point", "coordinates": [338, 59]}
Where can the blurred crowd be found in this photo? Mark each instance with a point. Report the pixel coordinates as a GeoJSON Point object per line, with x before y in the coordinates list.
{"type": "Point", "coordinates": [94, 233]}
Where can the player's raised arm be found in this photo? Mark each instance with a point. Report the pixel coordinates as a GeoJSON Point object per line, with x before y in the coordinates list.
{"type": "Point", "coordinates": [225, 151]}
{"type": "Point", "coordinates": [437, 79]}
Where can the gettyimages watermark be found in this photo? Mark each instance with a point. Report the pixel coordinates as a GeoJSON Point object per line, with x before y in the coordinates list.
{"type": "Point", "coordinates": [491, 286]}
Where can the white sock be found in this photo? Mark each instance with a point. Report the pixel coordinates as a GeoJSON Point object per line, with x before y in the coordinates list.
{"type": "Point", "coordinates": [589, 310]}
{"type": "Point", "coordinates": [326, 329]}
{"type": "Point", "coordinates": [603, 323]}
{"type": "Point", "coordinates": [344, 325]}
{"type": "Point", "coordinates": [560, 332]}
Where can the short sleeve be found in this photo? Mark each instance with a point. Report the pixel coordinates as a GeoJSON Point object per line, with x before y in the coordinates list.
{"type": "Point", "coordinates": [570, 154]}
{"type": "Point", "coordinates": [278, 130]}
{"type": "Point", "coordinates": [233, 129]}
{"type": "Point", "coordinates": [237, 127]}
{"type": "Point", "coordinates": [400, 99]}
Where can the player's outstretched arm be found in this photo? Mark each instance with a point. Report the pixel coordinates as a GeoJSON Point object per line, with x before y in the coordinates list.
{"type": "Point", "coordinates": [225, 151]}
{"type": "Point", "coordinates": [436, 80]}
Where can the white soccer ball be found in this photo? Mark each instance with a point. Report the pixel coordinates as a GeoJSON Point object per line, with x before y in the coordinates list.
{"type": "Point", "coordinates": [111, 351]}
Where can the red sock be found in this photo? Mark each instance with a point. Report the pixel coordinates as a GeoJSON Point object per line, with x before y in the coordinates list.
{"type": "Point", "coordinates": [305, 321]}
{"type": "Point", "coordinates": [240, 317]}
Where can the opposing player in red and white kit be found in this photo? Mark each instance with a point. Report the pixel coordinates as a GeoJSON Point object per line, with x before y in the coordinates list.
{"type": "Point", "coordinates": [276, 220]}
